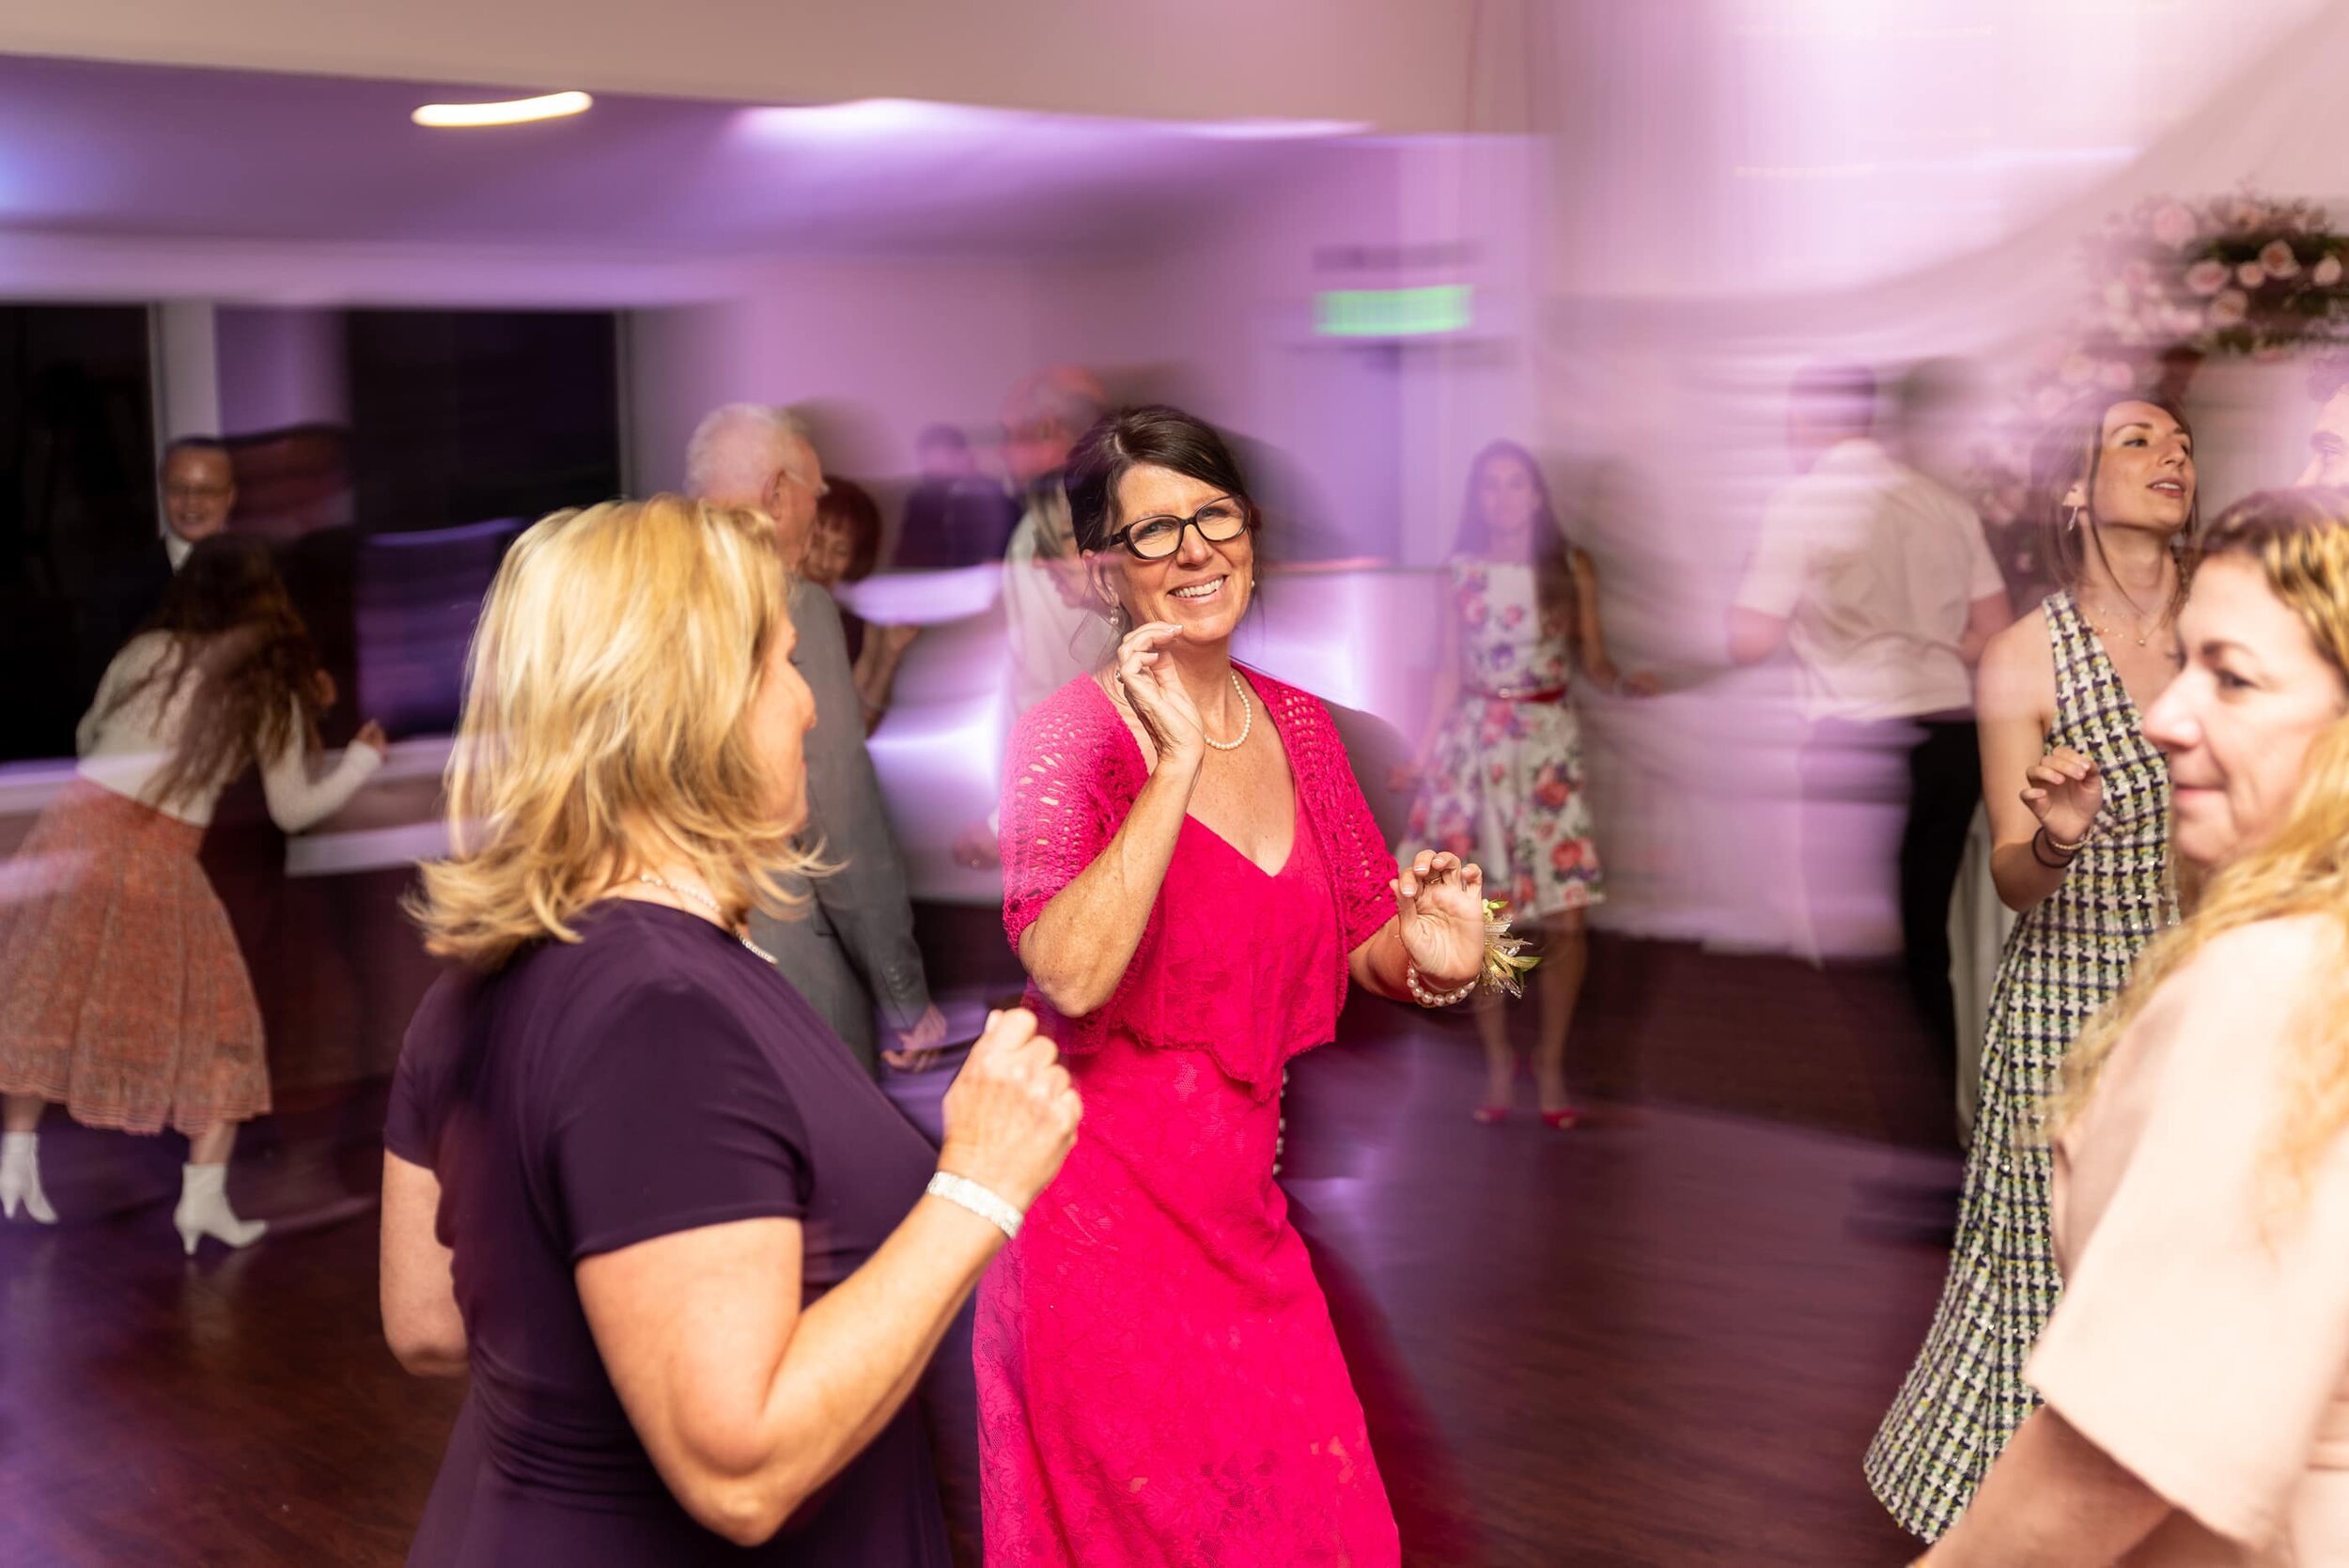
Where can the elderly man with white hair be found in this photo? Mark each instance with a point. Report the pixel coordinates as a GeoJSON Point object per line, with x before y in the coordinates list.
{"type": "Point", "coordinates": [850, 950]}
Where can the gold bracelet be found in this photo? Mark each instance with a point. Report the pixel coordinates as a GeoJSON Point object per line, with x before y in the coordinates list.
{"type": "Point", "coordinates": [2068, 850]}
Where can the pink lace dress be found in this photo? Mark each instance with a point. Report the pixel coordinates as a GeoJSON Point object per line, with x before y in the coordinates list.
{"type": "Point", "coordinates": [1158, 1382]}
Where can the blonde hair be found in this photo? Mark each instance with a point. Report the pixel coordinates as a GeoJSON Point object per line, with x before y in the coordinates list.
{"type": "Point", "coordinates": [2299, 539]}
{"type": "Point", "coordinates": [606, 709]}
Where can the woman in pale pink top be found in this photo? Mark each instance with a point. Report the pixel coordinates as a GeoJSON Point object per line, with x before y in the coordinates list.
{"type": "Point", "coordinates": [2197, 1371]}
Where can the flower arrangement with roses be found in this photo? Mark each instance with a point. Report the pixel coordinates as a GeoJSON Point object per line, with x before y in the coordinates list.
{"type": "Point", "coordinates": [2171, 282]}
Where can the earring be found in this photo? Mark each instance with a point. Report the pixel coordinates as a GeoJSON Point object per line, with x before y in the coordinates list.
{"type": "Point", "coordinates": [2071, 518]}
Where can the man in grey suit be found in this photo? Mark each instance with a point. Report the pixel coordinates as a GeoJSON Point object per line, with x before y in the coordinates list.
{"type": "Point", "coordinates": [849, 949]}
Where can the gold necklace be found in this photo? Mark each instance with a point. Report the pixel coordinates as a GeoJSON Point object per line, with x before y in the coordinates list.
{"type": "Point", "coordinates": [2141, 638]}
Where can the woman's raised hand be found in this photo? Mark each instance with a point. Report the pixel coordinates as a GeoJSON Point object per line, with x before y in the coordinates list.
{"type": "Point", "coordinates": [1145, 672]}
{"type": "Point", "coordinates": [1011, 1113]}
{"type": "Point", "coordinates": [1440, 913]}
{"type": "Point", "coordinates": [2065, 792]}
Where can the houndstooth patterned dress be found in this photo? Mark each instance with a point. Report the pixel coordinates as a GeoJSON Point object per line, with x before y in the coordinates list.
{"type": "Point", "coordinates": [2066, 958]}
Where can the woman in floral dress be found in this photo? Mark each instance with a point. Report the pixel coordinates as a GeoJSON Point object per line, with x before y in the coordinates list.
{"type": "Point", "coordinates": [1501, 769]}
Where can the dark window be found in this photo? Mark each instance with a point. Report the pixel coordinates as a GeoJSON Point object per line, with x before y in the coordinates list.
{"type": "Point", "coordinates": [460, 416]}
{"type": "Point", "coordinates": [77, 509]}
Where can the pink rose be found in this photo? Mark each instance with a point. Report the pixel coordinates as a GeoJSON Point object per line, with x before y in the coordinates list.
{"type": "Point", "coordinates": [2229, 309]}
{"type": "Point", "coordinates": [1513, 616]}
{"type": "Point", "coordinates": [2117, 295]}
{"type": "Point", "coordinates": [2138, 275]}
{"type": "Point", "coordinates": [2207, 277]}
{"type": "Point", "coordinates": [1566, 855]}
{"type": "Point", "coordinates": [2116, 377]}
{"type": "Point", "coordinates": [2250, 274]}
{"type": "Point", "coordinates": [2327, 272]}
{"type": "Point", "coordinates": [2173, 226]}
{"type": "Point", "coordinates": [2277, 260]}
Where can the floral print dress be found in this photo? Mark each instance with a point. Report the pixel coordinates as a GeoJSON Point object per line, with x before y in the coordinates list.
{"type": "Point", "coordinates": [1504, 783]}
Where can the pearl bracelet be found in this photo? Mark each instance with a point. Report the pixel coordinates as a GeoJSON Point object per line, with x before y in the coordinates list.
{"type": "Point", "coordinates": [1427, 998]}
{"type": "Point", "coordinates": [965, 1193]}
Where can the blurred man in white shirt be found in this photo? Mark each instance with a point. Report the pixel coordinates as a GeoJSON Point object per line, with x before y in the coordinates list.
{"type": "Point", "coordinates": [1877, 580]}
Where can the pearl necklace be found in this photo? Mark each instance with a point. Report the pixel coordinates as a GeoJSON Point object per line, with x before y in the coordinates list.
{"type": "Point", "coordinates": [1247, 723]}
{"type": "Point", "coordinates": [698, 896]}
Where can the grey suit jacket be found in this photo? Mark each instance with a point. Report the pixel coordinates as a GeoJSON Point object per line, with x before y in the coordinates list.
{"type": "Point", "coordinates": [849, 949]}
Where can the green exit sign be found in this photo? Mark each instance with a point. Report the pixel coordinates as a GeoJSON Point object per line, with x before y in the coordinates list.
{"type": "Point", "coordinates": [1393, 312]}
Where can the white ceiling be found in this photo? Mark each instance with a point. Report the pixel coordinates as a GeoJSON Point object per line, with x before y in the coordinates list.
{"type": "Point", "coordinates": [96, 149]}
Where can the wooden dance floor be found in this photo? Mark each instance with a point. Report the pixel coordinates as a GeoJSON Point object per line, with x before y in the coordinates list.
{"type": "Point", "coordinates": [1662, 1340]}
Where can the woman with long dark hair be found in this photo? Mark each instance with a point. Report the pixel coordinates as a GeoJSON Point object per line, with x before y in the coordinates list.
{"type": "Point", "coordinates": [2079, 800]}
{"type": "Point", "coordinates": [123, 995]}
{"type": "Point", "coordinates": [1501, 769]}
{"type": "Point", "coordinates": [1192, 878]}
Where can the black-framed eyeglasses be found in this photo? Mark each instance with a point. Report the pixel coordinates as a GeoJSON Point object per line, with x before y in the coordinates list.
{"type": "Point", "coordinates": [1220, 521]}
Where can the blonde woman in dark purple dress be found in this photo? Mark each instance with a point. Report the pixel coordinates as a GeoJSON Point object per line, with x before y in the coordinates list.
{"type": "Point", "coordinates": [632, 1184]}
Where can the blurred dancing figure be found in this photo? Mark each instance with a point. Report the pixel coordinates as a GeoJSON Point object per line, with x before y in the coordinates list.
{"type": "Point", "coordinates": [1500, 766]}
{"type": "Point", "coordinates": [2328, 439]}
{"type": "Point", "coordinates": [1049, 622]}
{"type": "Point", "coordinates": [1191, 876]}
{"type": "Point", "coordinates": [955, 515]}
{"type": "Point", "coordinates": [854, 952]}
{"type": "Point", "coordinates": [1878, 580]}
{"type": "Point", "coordinates": [2079, 808]}
{"type": "Point", "coordinates": [123, 997]}
{"type": "Point", "coordinates": [631, 1183]}
{"type": "Point", "coordinates": [2197, 1371]}
{"type": "Point", "coordinates": [844, 547]}
{"type": "Point", "coordinates": [1047, 603]}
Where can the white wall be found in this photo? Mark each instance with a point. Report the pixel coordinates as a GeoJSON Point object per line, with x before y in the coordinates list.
{"type": "Point", "coordinates": [871, 351]}
{"type": "Point", "coordinates": [280, 367]}
{"type": "Point", "coordinates": [1222, 321]}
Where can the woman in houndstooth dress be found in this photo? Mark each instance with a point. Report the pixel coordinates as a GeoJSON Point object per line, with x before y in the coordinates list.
{"type": "Point", "coordinates": [2093, 776]}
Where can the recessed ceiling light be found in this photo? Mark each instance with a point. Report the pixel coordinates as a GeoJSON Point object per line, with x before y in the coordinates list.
{"type": "Point", "coordinates": [1271, 130]}
{"type": "Point", "coordinates": [513, 111]}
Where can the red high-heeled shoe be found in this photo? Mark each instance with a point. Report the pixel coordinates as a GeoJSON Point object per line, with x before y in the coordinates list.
{"type": "Point", "coordinates": [1564, 1119]}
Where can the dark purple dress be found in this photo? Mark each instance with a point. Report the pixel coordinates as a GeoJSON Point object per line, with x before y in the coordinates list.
{"type": "Point", "coordinates": [652, 1077]}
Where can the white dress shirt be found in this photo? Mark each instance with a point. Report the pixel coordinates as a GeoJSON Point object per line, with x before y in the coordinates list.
{"type": "Point", "coordinates": [1875, 568]}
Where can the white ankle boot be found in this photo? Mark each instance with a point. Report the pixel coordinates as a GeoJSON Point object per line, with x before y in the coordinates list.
{"type": "Point", "coordinates": [204, 1210]}
{"type": "Point", "coordinates": [19, 1178]}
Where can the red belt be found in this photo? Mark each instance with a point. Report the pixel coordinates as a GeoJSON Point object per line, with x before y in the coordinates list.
{"type": "Point", "coordinates": [1542, 695]}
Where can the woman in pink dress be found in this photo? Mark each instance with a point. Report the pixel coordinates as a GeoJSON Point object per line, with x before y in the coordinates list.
{"type": "Point", "coordinates": [2196, 1372]}
{"type": "Point", "coordinates": [1191, 875]}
